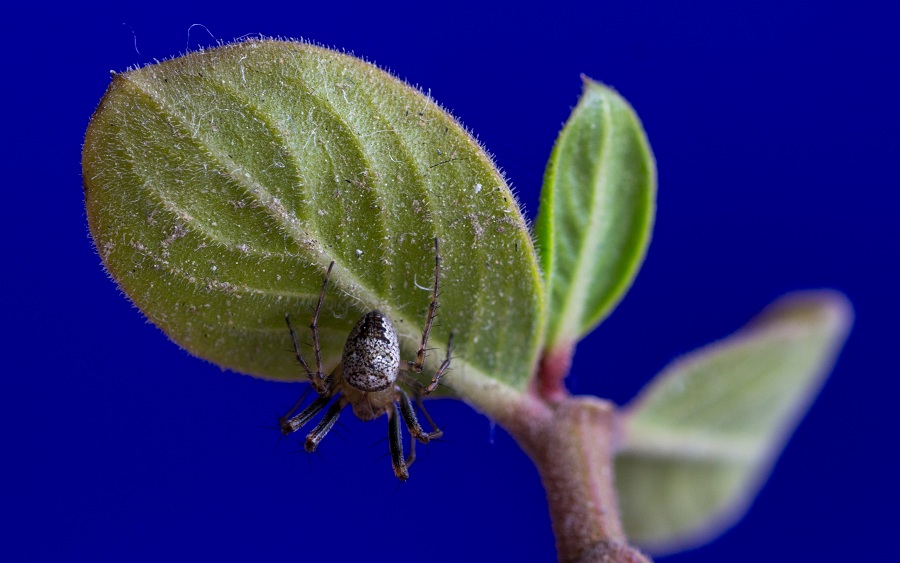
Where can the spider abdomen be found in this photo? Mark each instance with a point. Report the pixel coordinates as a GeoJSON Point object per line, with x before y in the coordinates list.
{"type": "Point", "coordinates": [371, 358]}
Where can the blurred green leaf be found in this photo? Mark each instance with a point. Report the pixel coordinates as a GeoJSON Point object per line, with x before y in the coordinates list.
{"type": "Point", "coordinates": [219, 186]}
{"type": "Point", "coordinates": [701, 439]}
{"type": "Point", "coordinates": [596, 213]}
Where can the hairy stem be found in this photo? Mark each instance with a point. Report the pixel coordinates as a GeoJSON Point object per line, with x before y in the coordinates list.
{"type": "Point", "coordinates": [572, 442]}
{"type": "Point", "coordinates": [573, 451]}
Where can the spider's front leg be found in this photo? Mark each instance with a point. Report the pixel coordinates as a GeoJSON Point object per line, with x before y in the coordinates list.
{"type": "Point", "coordinates": [436, 379]}
{"type": "Point", "coordinates": [409, 413]}
{"type": "Point", "coordinates": [318, 379]}
{"type": "Point", "coordinates": [320, 382]}
{"type": "Point", "coordinates": [419, 364]}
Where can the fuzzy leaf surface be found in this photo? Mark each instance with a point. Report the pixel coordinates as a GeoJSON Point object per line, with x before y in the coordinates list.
{"type": "Point", "coordinates": [219, 186]}
{"type": "Point", "coordinates": [701, 439]}
{"type": "Point", "coordinates": [596, 213]}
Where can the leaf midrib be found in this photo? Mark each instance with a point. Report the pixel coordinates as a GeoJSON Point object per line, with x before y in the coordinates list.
{"type": "Point", "coordinates": [574, 307]}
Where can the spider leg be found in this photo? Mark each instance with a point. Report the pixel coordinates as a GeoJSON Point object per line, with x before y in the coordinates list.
{"type": "Point", "coordinates": [432, 312]}
{"type": "Point", "coordinates": [317, 378]}
{"type": "Point", "coordinates": [436, 432]}
{"type": "Point", "coordinates": [314, 326]}
{"type": "Point", "coordinates": [412, 421]}
{"type": "Point", "coordinates": [435, 381]}
{"type": "Point", "coordinates": [296, 406]}
{"type": "Point", "coordinates": [419, 392]}
{"type": "Point", "coordinates": [289, 425]}
{"type": "Point", "coordinates": [395, 438]}
{"type": "Point", "coordinates": [321, 429]}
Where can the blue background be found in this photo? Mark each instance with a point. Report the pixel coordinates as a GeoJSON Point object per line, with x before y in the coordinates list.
{"type": "Point", "coordinates": [775, 126]}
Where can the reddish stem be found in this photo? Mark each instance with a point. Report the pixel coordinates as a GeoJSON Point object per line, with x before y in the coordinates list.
{"type": "Point", "coordinates": [571, 440]}
{"type": "Point", "coordinates": [552, 372]}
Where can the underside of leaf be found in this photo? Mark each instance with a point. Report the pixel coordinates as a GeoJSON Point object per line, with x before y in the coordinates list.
{"type": "Point", "coordinates": [220, 185]}
{"type": "Point", "coordinates": [701, 439]}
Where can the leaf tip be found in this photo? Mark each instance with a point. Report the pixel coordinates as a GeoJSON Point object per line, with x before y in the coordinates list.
{"type": "Point", "coordinates": [826, 308]}
{"type": "Point", "coordinates": [589, 84]}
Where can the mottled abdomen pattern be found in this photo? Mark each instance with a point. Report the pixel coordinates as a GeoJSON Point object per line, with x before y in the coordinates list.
{"type": "Point", "coordinates": [372, 353]}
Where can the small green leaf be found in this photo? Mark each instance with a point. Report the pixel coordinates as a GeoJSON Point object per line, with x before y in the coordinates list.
{"type": "Point", "coordinates": [220, 185]}
{"type": "Point", "coordinates": [596, 213]}
{"type": "Point", "coordinates": [701, 439]}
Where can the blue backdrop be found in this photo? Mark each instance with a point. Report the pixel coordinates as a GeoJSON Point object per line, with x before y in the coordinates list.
{"type": "Point", "coordinates": [775, 127]}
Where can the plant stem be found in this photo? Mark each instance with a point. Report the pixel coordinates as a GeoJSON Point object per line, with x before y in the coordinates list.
{"type": "Point", "coordinates": [572, 442]}
{"type": "Point", "coordinates": [573, 451]}
{"type": "Point", "coordinates": [552, 373]}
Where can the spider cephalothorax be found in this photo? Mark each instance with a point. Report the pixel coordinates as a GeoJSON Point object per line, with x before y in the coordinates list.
{"type": "Point", "coordinates": [367, 379]}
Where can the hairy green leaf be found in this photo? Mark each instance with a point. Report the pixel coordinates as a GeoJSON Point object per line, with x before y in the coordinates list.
{"type": "Point", "coordinates": [700, 440]}
{"type": "Point", "coordinates": [596, 213]}
{"type": "Point", "coordinates": [220, 185]}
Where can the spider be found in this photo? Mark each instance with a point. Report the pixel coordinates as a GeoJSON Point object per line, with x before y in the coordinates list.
{"type": "Point", "coordinates": [367, 379]}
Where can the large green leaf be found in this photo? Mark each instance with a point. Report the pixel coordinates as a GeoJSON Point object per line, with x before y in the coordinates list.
{"type": "Point", "coordinates": [596, 213]}
{"type": "Point", "coordinates": [220, 185]}
{"type": "Point", "coordinates": [700, 440]}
